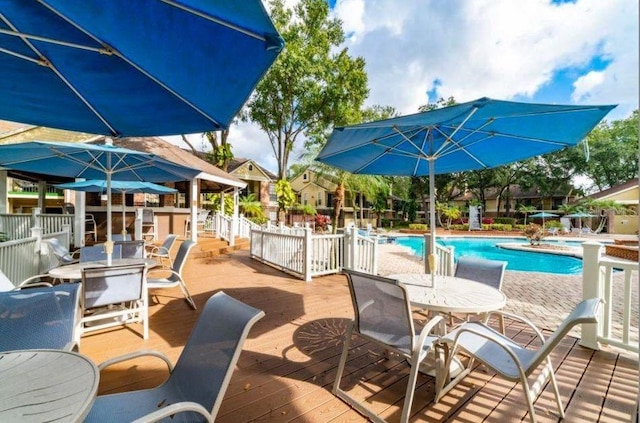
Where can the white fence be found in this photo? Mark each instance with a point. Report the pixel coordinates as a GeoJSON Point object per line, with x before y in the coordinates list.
{"type": "Point", "coordinates": [18, 226]}
{"type": "Point", "coordinates": [444, 258]}
{"type": "Point", "coordinates": [26, 257]}
{"type": "Point", "coordinates": [303, 254]}
{"type": "Point", "coordinates": [616, 282]}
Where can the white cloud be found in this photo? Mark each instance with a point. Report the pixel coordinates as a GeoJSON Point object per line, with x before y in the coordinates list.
{"type": "Point", "coordinates": [475, 48]}
{"type": "Point", "coordinates": [584, 85]}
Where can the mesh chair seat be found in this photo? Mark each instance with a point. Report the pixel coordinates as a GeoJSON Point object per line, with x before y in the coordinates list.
{"type": "Point", "coordinates": [40, 318]}
{"type": "Point", "coordinates": [175, 277]}
{"type": "Point", "coordinates": [197, 384]}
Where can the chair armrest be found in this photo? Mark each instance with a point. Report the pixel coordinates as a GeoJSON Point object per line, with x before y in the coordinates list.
{"type": "Point", "coordinates": [172, 409]}
{"type": "Point", "coordinates": [519, 319]}
{"type": "Point", "coordinates": [29, 282]}
{"type": "Point", "coordinates": [158, 250]}
{"type": "Point", "coordinates": [136, 354]}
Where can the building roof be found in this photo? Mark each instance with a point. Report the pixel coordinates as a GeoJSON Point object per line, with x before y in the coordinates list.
{"type": "Point", "coordinates": [236, 162]}
{"type": "Point", "coordinates": [176, 154]}
{"type": "Point", "coordinates": [617, 189]}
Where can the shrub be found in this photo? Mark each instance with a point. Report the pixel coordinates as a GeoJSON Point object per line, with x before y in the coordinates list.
{"type": "Point", "coordinates": [534, 233]}
{"type": "Point", "coordinates": [4, 237]}
{"type": "Point", "coordinates": [505, 220]}
{"type": "Point", "coordinates": [418, 227]}
{"type": "Point", "coordinates": [322, 221]}
{"type": "Point", "coordinates": [487, 221]}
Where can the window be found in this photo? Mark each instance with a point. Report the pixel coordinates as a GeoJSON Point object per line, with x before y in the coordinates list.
{"type": "Point", "coordinates": [305, 177]}
{"type": "Point", "coordinates": [272, 193]}
{"type": "Point", "coordinates": [250, 167]}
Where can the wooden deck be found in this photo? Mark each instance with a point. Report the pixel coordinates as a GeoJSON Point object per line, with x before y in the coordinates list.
{"type": "Point", "coordinates": [289, 362]}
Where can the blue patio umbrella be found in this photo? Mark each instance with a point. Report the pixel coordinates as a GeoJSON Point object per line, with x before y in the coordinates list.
{"type": "Point", "coordinates": [123, 187]}
{"type": "Point", "coordinates": [132, 67]}
{"type": "Point", "coordinates": [543, 215]}
{"type": "Point", "coordinates": [91, 161]}
{"type": "Point", "coordinates": [480, 134]}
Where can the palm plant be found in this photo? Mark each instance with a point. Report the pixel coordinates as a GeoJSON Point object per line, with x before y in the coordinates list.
{"type": "Point", "coordinates": [251, 207]}
{"type": "Point", "coordinates": [524, 209]}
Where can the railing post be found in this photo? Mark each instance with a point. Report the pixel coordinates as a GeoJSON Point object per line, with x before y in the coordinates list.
{"type": "Point", "coordinates": [427, 245]}
{"type": "Point", "coordinates": [138, 224]}
{"type": "Point", "coordinates": [374, 269]}
{"type": "Point", "coordinates": [307, 255]}
{"type": "Point", "coordinates": [591, 287]}
{"type": "Point", "coordinates": [353, 246]}
{"type": "Point", "coordinates": [35, 217]}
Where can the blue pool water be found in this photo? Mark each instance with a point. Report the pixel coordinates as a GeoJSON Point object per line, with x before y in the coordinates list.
{"type": "Point", "coordinates": [517, 260]}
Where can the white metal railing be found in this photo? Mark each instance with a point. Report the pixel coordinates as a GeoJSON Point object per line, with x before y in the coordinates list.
{"type": "Point", "coordinates": [303, 254]}
{"type": "Point", "coordinates": [19, 258]}
{"type": "Point", "coordinates": [284, 251]}
{"type": "Point", "coordinates": [444, 258]}
{"type": "Point", "coordinates": [53, 223]}
{"type": "Point", "coordinates": [361, 252]}
{"type": "Point", "coordinates": [616, 282]}
{"type": "Point", "coordinates": [16, 226]}
{"type": "Point", "coordinates": [245, 226]}
{"type": "Point", "coordinates": [223, 226]}
{"type": "Point", "coordinates": [327, 255]}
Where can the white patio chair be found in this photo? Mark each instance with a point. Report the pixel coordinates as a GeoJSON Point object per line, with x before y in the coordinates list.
{"type": "Point", "coordinates": [163, 252]}
{"type": "Point", "coordinates": [511, 360]}
{"type": "Point", "coordinates": [201, 220]}
{"type": "Point", "coordinates": [97, 253]}
{"type": "Point", "coordinates": [197, 384]}
{"type": "Point", "coordinates": [175, 277]}
{"type": "Point", "coordinates": [62, 254]}
{"type": "Point", "coordinates": [91, 227]}
{"type": "Point", "coordinates": [120, 237]}
{"type": "Point", "coordinates": [383, 317]}
{"type": "Point", "coordinates": [114, 296]}
{"type": "Point", "coordinates": [131, 249]}
{"type": "Point", "coordinates": [149, 224]}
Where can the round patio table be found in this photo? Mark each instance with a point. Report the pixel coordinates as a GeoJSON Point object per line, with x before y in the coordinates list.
{"type": "Point", "coordinates": [451, 295]}
{"type": "Point", "coordinates": [46, 386]}
{"type": "Point", "coordinates": [74, 271]}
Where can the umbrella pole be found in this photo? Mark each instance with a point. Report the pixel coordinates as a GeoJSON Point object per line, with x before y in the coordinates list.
{"type": "Point", "coordinates": [108, 245]}
{"type": "Point", "coordinates": [433, 266]}
{"type": "Point", "coordinates": [124, 216]}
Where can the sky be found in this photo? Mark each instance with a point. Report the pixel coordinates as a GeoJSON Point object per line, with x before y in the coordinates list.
{"type": "Point", "coordinates": [541, 51]}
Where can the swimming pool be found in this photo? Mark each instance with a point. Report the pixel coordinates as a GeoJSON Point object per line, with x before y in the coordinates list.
{"type": "Point", "coordinates": [517, 260]}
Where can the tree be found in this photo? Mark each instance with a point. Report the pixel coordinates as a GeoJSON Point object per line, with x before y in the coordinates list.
{"type": "Point", "coordinates": [221, 153]}
{"type": "Point", "coordinates": [449, 212]}
{"type": "Point", "coordinates": [313, 83]}
{"type": "Point", "coordinates": [524, 209]}
{"type": "Point", "coordinates": [286, 197]}
{"type": "Point", "coordinates": [613, 153]}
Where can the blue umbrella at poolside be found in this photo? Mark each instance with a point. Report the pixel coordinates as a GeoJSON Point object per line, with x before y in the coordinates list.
{"type": "Point", "coordinates": [91, 161]}
{"type": "Point", "coordinates": [480, 134]}
{"type": "Point", "coordinates": [123, 187]}
{"type": "Point", "coordinates": [579, 216]}
{"type": "Point", "coordinates": [543, 215]}
{"type": "Point", "coordinates": [132, 67]}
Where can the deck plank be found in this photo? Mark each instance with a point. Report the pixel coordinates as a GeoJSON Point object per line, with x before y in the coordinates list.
{"type": "Point", "coordinates": [289, 361]}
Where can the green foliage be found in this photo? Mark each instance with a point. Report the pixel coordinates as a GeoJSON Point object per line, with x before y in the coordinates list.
{"type": "Point", "coordinates": [505, 220]}
{"type": "Point", "coordinates": [228, 203]}
{"type": "Point", "coordinates": [286, 196]}
{"type": "Point", "coordinates": [418, 227]}
{"type": "Point", "coordinates": [305, 209]}
{"type": "Point", "coordinates": [313, 85]}
{"type": "Point", "coordinates": [251, 207]}
{"type": "Point", "coordinates": [553, 224]}
{"type": "Point", "coordinates": [4, 237]}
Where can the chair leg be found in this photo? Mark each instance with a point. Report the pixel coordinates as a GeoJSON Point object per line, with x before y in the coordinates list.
{"type": "Point", "coordinates": [556, 391]}
{"type": "Point", "coordinates": [411, 388]}
{"type": "Point", "coordinates": [186, 294]}
{"type": "Point", "coordinates": [343, 358]}
{"type": "Point", "coordinates": [529, 397]}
